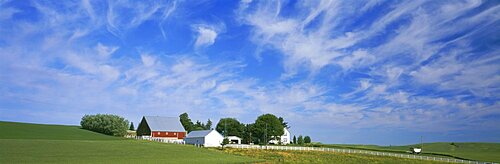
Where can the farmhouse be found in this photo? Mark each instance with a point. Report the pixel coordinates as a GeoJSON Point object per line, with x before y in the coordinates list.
{"type": "Point", "coordinates": [284, 139]}
{"type": "Point", "coordinates": [207, 138]}
{"type": "Point", "coordinates": [161, 127]}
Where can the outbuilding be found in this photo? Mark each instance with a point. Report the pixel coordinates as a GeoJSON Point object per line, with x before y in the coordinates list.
{"type": "Point", "coordinates": [234, 139]}
{"type": "Point", "coordinates": [207, 138]}
{"type": "Point", "coordinates": [161, 127]}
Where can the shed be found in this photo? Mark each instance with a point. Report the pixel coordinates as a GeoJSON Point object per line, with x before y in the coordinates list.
{"type": "Point", "coordinates": [207, 138]}
{"type": "Point", "coordinates": [234, 139]}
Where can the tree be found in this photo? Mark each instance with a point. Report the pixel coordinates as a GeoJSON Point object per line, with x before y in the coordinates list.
{"type": "Point", "coordinates": [199, 126]}
{"type": "Point", "coordinates": [225, 141]}
{"type": "Point", "coordinates": [307, 139]}
{"type": "Point", "coordinates": [131, 126]}
{"type": "Point", "coordinates": [105, 123]}
{"type": "Point", "coordinates": [294, 140]}
{"type": "Point", "coordinates": [300, 140]}
{"type": "Point", "coordinates": [208, 126]}
{"type": "Point", "coordinates": [285, 124]}
{"type": "Point", "coordinates": [186, 122]}
{"type": "Point", "coordinates": [248, 137]}
{"type": "Point", "coordinates": [230, 127]}
{"type": "Point", "coordinates": [266, 126]}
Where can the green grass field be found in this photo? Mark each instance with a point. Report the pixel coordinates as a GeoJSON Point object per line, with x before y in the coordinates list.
{"type": "Point", "coordinates": [34, 143]}
{"type": "Point", "coordinates": [486, 152]}
{"type": "Point", "coordinates": [275, 156]}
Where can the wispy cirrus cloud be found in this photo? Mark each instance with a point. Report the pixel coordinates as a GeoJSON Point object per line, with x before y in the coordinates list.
{"type": "Point", "coordinates": [408, 53]}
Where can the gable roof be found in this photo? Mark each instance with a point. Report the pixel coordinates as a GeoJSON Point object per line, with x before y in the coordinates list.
{"type": "Point", "coordinates": [159, 123]}
{"type": "Point", "coordinates": [200, 133]}
{"type": "Point", "coordinates": [233, 137]}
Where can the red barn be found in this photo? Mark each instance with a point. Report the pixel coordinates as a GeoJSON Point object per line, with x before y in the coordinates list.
{"type": "Point", "coordinates": [164, 127]}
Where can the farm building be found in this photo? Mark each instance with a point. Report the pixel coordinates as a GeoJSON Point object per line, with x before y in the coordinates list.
{"type": "Point", "coordinates": [234, 139]}
{"type": "Point", "coordinates": [284, 139]}
{"type": "Point", "coordinates": [207, 138]}
{"type": "Point", "coordinates": [161, 127]}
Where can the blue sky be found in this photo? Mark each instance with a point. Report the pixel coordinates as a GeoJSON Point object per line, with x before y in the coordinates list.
{"type": "Point", "coordinates": [366, 72]}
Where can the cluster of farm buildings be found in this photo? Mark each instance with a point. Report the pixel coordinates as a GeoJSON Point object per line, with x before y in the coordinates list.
{"type": "Point", "coordinates": [170, 128]}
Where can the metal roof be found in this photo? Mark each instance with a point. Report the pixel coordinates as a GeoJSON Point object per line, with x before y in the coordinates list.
{"type": "Point", "coordinates": [200, 133]}
{"type": "Point", "coordinates": [159, 123]}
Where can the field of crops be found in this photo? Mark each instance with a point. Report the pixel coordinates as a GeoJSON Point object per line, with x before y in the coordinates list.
{"type": "Point", "coordinates": [34, 143]}
{"type": "Point", "coordinates": [275, 156]}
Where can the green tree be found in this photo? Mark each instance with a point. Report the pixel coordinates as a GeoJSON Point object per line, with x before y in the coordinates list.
{"type": "Point", "coordinates": [266, 126]}
{"type": "Point", "coordinates": [105, 123]}
{"type": "Point", "coordinates": [294, 140]}
{"type": "Point", "coordinates": [230, 127]}
{"type": "Point", "coordinates": [285, 124]}
{"type": "Point", "coordinates": [300, 141]}
{"type": "Point", "coordinates": [208, 126]}
{"type": "Point", "coordinates": [186, 122]}
{"type": "Point", "coordinates": [247, 134]}
{"type": "Point", "coordinates": [131, 126]}
{"type": "Point", "coordinates": [307, 139]}
{"type": "Point", "coordinates": [199, 126]}
{"type": "Point", "coordinates": [225, 141]}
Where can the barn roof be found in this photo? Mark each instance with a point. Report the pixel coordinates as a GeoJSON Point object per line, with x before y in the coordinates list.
{"type": "Point", "coordinates": [200, 133]}
{"type": "Point", "coordinates": [159, 123]}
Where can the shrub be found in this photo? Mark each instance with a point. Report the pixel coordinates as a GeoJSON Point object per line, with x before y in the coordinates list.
{"type": "Point", "coordinates": [307, 139]}
{"type": "Point", "coordinates": [106, 124]}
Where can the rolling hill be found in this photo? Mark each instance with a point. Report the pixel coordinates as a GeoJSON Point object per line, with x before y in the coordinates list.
{"type": "Point", "coordinates": [36, 143]}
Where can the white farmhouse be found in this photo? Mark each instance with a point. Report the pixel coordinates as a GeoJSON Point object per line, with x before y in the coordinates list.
{"type": "Point", "coordinates": [207, 138]}
{"type": "Point", "coordinates": [284, 139]}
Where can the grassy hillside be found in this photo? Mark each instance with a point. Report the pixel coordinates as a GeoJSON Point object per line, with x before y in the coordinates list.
{"type": "Point", "coordinates": [14, 130]}
{"type": "Point", "coordinates": [33, 143]}
{"type": "Point", "coordinates": [275, 156]}
{"type": "Point", "coordinates": [472, 151]}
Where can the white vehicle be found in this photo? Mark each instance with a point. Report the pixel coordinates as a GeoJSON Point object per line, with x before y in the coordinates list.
{"type": "Point", "coordinates": [415, 150]}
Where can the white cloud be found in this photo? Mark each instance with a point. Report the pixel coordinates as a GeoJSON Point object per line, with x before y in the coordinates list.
{"type": "Point", "coordinates": [136, 14]}
{"type": "Point", "coordinates": [148, 60]}
{"type": "Point", "coordinates": [358, 58]}
{"type": "Point", "coordinates": [206, 36]}
{"type": "Point", "coordinates": [105, 51]}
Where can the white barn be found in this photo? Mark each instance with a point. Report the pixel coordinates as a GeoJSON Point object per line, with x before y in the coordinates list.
{"type": "Point", "coordinates": [207, 138]}
{"type": "Point", "coordinates": [284, 139]}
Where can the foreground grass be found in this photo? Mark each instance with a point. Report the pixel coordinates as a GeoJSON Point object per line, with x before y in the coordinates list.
{"type": "Point", "coordinates": [118, 151]}
{"type": "Point", "coordinates": [486, 152]}
{"type": "Point", "coordinates": [278, 156]}
{"type": "Point", "coordinates": [31, 143]}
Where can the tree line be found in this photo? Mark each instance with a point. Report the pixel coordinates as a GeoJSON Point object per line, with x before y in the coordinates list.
{"type": "Point", "coordinates": [190, 126]}
{"type": "Point", "coordinates": [105, 123]}
{"type": "Point", "coordinates": [265, 128]}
